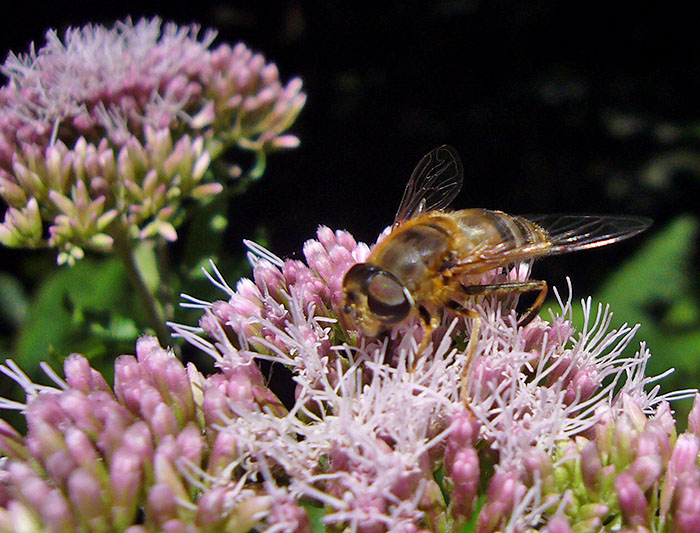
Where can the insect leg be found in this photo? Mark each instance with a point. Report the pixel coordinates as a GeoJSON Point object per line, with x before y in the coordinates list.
{"type": "Point", "coordinates": [471, 347]}
{"type": "Point", "coordinates": [510, 288]}
{"type": "Point", "coordinates": [429, 324]}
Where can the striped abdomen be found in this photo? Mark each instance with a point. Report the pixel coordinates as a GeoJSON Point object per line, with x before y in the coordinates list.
{"type": "Point", "coordinates": [483, 228]}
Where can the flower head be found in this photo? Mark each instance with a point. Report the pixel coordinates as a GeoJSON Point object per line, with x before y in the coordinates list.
{"type": "Point", "coordinates": [508, 428]}
{"type": "Point", "coordinates": [89, 450]}
{"type": "Point", "coordinates": [384, 416]}
{"type": "Point", "coordinates": [115, 127]}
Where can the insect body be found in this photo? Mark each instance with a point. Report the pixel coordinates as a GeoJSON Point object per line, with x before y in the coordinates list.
{"type": "Point", "coordinates": [435, 259]}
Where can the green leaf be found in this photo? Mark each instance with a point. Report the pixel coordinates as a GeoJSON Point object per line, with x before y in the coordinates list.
{"type": "Point", "coordinates": [656, 288]}
{"type": "Point", "coordinates": [65, 313]}
{"type": "Point", "coordinates": [145, 255]}
{"type": "Point", "coordinates": [13, 300]}
{"type": "Point", "coordinates": [316, 514]}
{"type": "Point", "coordinates": [439, 477]}
{"type": "Point", "coordinates": [118, 328]}
{"type": "Point", "coordinates": [470, 526]}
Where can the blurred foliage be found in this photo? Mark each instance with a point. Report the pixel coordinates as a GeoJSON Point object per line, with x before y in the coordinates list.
{"type": "Point", "coordinates": [316, 514]}
{"type": "Point", "coordinates": [13, 300]}
{"type": "Point", "coordinates": [91, 308]}
{"type": "Point", "coordinates": [68, 304]}
{"type": "Point", "coordinates": [656, 289]}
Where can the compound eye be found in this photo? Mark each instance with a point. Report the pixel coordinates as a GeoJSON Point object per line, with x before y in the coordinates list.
{"type": "Point", "coordinates": [386, 298]}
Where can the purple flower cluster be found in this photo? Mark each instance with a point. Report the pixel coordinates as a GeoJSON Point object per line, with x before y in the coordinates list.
{"type": "Point", "coordinates": [94, 459]}
{"type": "Point", "coordinates": [539, 427]}
{"type": "Point", "coordinates": [115, 127]}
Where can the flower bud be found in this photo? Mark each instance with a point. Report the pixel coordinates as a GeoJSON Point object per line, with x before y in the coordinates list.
{"type": "Point", "coordinates": [631, 499]}
{"type": "Point", "coordinates": [125, 476]}
{"type": "Point", "coordinates": [85, 493]}
{"type": "Point", "coordinates": [81, 376]}
{"type": "Point", "coordinates": [161, 504]}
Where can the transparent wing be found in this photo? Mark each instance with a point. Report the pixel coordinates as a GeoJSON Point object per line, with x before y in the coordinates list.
{"type": "Point", "coordinates": [433, 184]}
{"type": "Point", "coordinates": [565, 233]}
{"type": "Point", "coordinates": [568, 233]}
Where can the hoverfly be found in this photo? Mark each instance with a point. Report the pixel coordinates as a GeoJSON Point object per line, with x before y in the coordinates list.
{"type": "Point", "coordinates": [435, 259]}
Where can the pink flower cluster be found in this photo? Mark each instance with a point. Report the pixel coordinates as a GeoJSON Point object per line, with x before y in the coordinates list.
{"type": "Point", "coordinates": [552, 429]}
{"type": "Point", "coordinates": [111, 129]}
{"type": "Point", "coordinates": [95, 460]}
{"type": "Point", "coordinates": [528, 391]}
{"type": "Point", "coordinates": [113, 83]}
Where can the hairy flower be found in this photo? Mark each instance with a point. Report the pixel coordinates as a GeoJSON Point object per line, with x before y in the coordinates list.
{"type": "Point", "coordinates": [111, 129]}
{"type": "Point", "coordinates": [528, 391]}
{"type": "Point", "coordinates": [506, 428]}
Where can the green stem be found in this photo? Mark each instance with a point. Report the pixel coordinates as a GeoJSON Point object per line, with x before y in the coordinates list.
{"type": "Point", "coordinates": [164, 290]}
{"type": "Point", "coordinates": [124, 248]}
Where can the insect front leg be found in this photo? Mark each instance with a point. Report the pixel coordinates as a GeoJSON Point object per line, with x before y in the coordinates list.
{"type": "Point", "coordinates": [508, 288]}
{"type": "Point", "coordinates": [429, 324]}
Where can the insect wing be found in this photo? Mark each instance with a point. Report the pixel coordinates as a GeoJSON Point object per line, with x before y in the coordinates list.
{"type": "Point", "coordinates": [564, 233]}
{"type": "Point", "coordinates": [568, 233]}
{"type": "Point", "coordinates": [434, 183]}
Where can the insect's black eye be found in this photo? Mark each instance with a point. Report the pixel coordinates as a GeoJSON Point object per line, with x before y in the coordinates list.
{"type": "Point", "coordinates": [386, 298]}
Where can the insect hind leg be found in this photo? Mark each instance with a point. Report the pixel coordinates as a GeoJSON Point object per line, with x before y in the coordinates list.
{"type": "Point", "coordinates": [517, 287]}
{"type": "Point", "coordinates": [475, 318]}
{"type": "Point", "coordinates": [508, 288]}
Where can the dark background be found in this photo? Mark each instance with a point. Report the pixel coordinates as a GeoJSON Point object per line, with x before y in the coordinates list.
{"type": "Point", "coordinates": [553, 108]}
{"type": "Point", "coordinates": [579, 108]}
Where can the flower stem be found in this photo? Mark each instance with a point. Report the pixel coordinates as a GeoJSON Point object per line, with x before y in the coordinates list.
{"type": "Point", "coordinates": [124, 248]}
